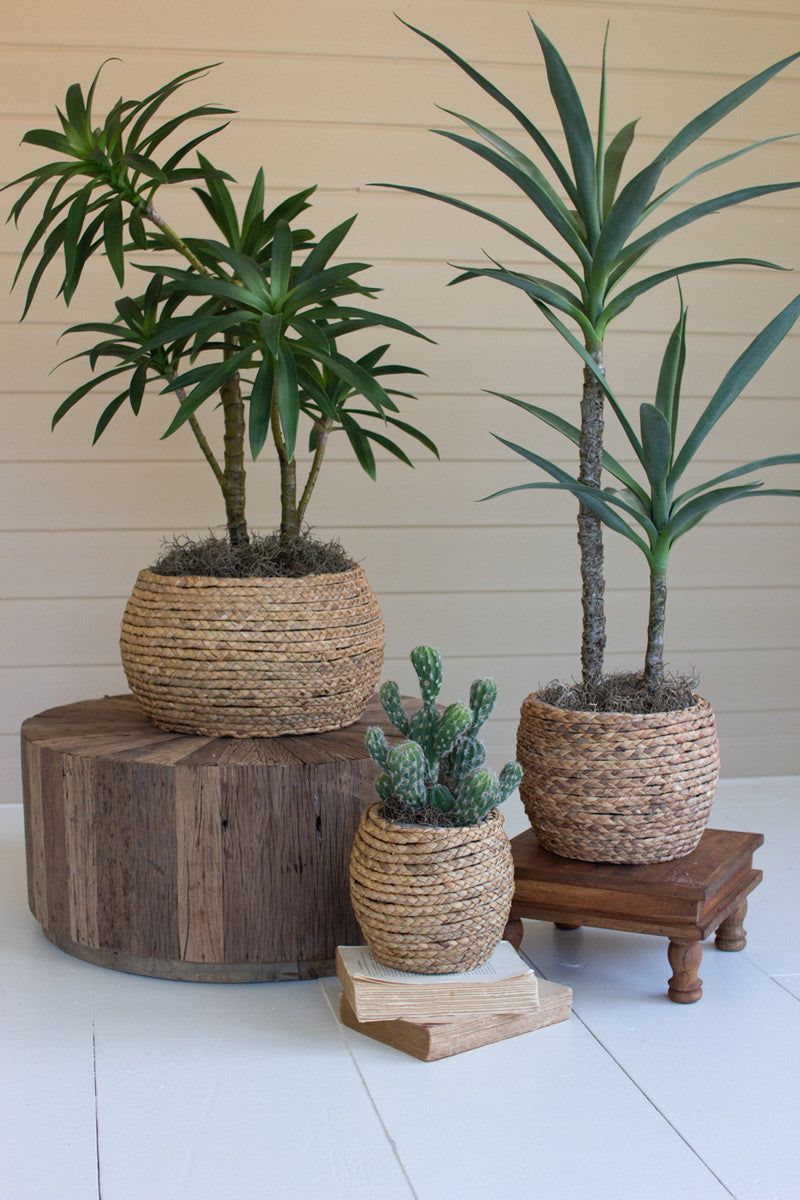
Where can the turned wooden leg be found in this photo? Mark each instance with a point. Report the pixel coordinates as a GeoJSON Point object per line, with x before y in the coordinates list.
{"type": "Point", "coordinates": [513, 933]}
{"type": "Point", "coordinates": [561, 925]}
{"type": "Point", "coordinates": [731, 934]}
{"type": "Point", "coordinates": [685, 958]}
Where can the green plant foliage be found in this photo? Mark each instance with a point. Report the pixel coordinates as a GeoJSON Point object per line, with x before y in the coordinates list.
{"type": "Point", "coordinates": [440, 767]}
{"type": "Point", "coordinates": [254, 318]}
{"type": "Point", "coordinates": [603, 223]}
{"type": "Point", "coordinates": [653, 514]}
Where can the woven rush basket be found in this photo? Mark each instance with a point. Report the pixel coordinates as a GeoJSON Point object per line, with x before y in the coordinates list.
{"type": "Point", "coordinates": [252, 657]}
{"type": "Point", "coordinates": [618, 787]}
{"type": "Point", "coordinates": [431, 900]}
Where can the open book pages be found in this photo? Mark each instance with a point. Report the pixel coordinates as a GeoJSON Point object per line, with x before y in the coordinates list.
{"type": "Point", "coordinates": [505, 984]}
{"type": "Point", "coordinates": [505, 963]}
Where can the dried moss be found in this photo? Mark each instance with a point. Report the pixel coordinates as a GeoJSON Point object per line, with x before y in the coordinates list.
{"type": "Point", "coordinates": [403, 814]}
{"type": "Point", "coordinates": [624, 691]}
{"type": "Point", "coordinates": [264, 556]}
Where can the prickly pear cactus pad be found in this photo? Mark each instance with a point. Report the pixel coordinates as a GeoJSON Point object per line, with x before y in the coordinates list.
{"type": "Point", "coordinates": [438, 775]}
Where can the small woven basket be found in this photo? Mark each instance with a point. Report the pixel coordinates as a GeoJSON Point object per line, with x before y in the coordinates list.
{"type": "Point", "coordinates": [252, 657]}
{"type": "Point", "coordinates": [618, 787]}
{"type": "Point", "coordinates": [431, 900]}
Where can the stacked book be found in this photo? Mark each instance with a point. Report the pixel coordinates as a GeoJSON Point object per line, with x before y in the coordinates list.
{"type": "Point", "coordinates": [434, 1016]}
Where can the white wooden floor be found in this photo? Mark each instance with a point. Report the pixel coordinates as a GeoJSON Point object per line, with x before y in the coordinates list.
{"type": "Point", "coordinates": [127, 1088]}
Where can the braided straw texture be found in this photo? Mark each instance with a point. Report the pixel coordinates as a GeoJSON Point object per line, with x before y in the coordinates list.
{"type": "Point", "coordinates": [252, 657]}
{"type": "Point", "coordinates": [618, 787]}
{"type": "Point", "coordinates": [428, 899]}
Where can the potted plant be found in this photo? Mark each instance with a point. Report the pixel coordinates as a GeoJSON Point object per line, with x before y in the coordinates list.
{"type": "Point", "coordinates": [431, 875]}
{"type": "Point", "coordinates": [240, 635]}
{"type": "Point", "coordinates": [605, 230]}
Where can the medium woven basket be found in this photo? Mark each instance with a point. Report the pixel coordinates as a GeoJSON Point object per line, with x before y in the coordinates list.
{"type": "Point", "coordinates": [428, 899]}
{"type": "Point", "coordinates": [618, 787]}
{"type": "Point", "coordinates": [252, 657]}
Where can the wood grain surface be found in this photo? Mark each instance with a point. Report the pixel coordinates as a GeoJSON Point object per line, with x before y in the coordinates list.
{"type": "Point", "coordinates": [192, 857]}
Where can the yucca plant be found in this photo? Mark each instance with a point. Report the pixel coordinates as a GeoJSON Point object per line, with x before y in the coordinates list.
{"type": "Point", "coordinates": [652, 515]}
{"type": "Point", "coordinates": [604, 227]}
{"type": "Point", "coordinates": [252, 322]}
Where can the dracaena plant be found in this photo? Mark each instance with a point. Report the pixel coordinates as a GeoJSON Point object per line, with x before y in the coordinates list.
{"type": "Point", "coordinates": [252, 320]}
{"type": "Point", "coordinates": [602, 228]}
{"type": "Point", "coordinates": [652, 513]}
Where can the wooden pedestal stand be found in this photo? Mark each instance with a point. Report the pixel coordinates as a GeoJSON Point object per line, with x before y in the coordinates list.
{"type": "Point", "coordinates": [684, 900]}
{"type": "Point", "coordinates": [198, 858]}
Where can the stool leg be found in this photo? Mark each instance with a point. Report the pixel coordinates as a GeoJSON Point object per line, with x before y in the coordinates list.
{"type": "Point", "coordinates": [731, 934]}
{"type": "Point", "coordinates": [513, 933]}
{"type": "Point", "coordinates": [685, 958]}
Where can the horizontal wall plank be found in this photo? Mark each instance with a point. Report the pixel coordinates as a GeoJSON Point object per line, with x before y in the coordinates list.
{"type": "Point", "coordinates": [770, 677]}
{"type": "Point", "coordinates": [460, 425]}
{"type": "Point", "coordinates": [131, 495]}
{"type": "Point", "coordinates": [63, 632]}
{"type": "Point", "coordinates": [417, 562]}
{"type": "Point", "coordinates": [654, 36]}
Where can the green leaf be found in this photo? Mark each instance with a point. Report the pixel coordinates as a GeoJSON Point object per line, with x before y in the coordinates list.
{"type": "Point", "coordinates": [322, 252]}
{"type": "Point", "coordinates": [73, 398]}
{"type": "Point", "coordinates": [736, 379]}
{"type": "Point", "coordinates": [360, 380]}
{"type": "Point", "coordinates": [282, 247]}
{"type": "Point", "coordinates": [538, 289]}
{"type": "Point", "coordinates": [108, 412]}
{"type": "Point", "coordinates": [636, 249]}
{"type": "Point", "coordinates": [494, 220]}
{"type": "Point", "coordinates": [271, 326]}
{"type": "Point", "coordinates": [599, 502]}
{"type": "Point", "coordinates": [260, 407]}
{"type": "Point", "coordinates": [626, 298]}
{"type": "Point", "coordinates": [360, 444]}
{"type": "Point", "coordinates": [539, 139]}
{"type": "Point", "coordinates": [209, 379]}
{"type": "Point", "coordinates": [573, 433]}
{"type": "Point", "coordinates": [145, 166]}
{"type": "Point", "coordinates": [254, 208]}
{"type": "Point", "coordinates": [758, 464]}
{"type": "Point", "coordinates": [288, 397]}
{"type": "Point", "coordinates": [411, 430]}
{"type": "Point", "coordinates": [614, 160]}
{"type": "Point", "coordinates": [112, 236]}
{"type": "Point", "coordinates": [72, 230]}
{"type": "Point", "coordinates": [623, 218]}
{"type": "Point", "coordinates": [136, 390]}
{"type": "Point", "coordinates": [137, 230]}
{"type": "Point", "coordinates": [670, 376]}
{"type": "Point", "coordinates": [599, 375]}
{"type": "Point", "coordinates": [700, 506]}
{"type": "Point", "coordinates": [576, 130]}
{"type": "Point", "coordinates": [712, 115]}
{"type": "Point", "coordinates": [50, 140]}
{"type": "Point", "coordinates": [565, 226]}
{"type": "Point", "coordinates": [656, 444]}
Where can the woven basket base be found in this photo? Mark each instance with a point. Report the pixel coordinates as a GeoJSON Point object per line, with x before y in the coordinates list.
{"type": "Point", "coordinates": [618, 787]}
{"type": "Point", "coordinates": [252, 657]}
{"type": "Point", "coordinates": [431, 900]}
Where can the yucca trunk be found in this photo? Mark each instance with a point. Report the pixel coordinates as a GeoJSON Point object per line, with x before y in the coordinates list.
{"type": "Point", "coordinates": [654, 655]}
{"type": "Point", "coordinates": [590, 533]}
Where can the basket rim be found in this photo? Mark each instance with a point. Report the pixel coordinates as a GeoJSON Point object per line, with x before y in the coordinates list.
{"type": "Point", "coordinates": [147, 575]}
{"type": "Point", "coordinates": [701, 706]}
{"type": "Point", "coordinates": [440, 832]}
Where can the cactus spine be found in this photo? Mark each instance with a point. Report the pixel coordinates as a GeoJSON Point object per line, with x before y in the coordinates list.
{"type": "Point", "coordinates": [441, 764]}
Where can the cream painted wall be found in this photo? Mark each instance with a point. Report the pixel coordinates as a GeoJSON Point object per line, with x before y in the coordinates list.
{"type": "Point", "coordinates": [337, 92]}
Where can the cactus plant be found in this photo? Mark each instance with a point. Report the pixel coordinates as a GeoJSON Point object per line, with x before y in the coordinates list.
{"type": "Point", "coordinates": [438, 774]}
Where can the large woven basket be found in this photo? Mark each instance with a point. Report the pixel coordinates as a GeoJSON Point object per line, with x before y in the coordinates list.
{"type": "Point", "coordinates": [618, 787]}
{"type": "Point", "coordinates": [431, 900]}
{"type": "Point", "coordinates": [252, 657]}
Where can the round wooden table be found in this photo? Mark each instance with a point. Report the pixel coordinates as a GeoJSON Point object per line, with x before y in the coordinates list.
{"type": "Point", "coordinates": [197, 858]}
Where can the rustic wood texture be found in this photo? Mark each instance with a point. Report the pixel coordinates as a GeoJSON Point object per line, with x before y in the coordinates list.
{"type": "Point", "coordinates": [684, 900]}
{"type": "Point", "coordinates": [187, 857]}
{"type": "Point", "coordinates": [429, 1040]}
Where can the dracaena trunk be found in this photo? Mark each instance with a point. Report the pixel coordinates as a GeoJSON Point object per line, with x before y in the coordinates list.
{"type": "Point", "coordinates": [590, 534]}
{"type": "Point", "coordinates": [233, 484]}
{"type": "Point", "coordinates": [654, 655]}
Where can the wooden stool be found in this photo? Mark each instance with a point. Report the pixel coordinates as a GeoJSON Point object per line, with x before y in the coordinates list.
{"type": "Point", "coordinates": [198, 858]}
{"type": "Point", "coordinates": [684, 900]}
